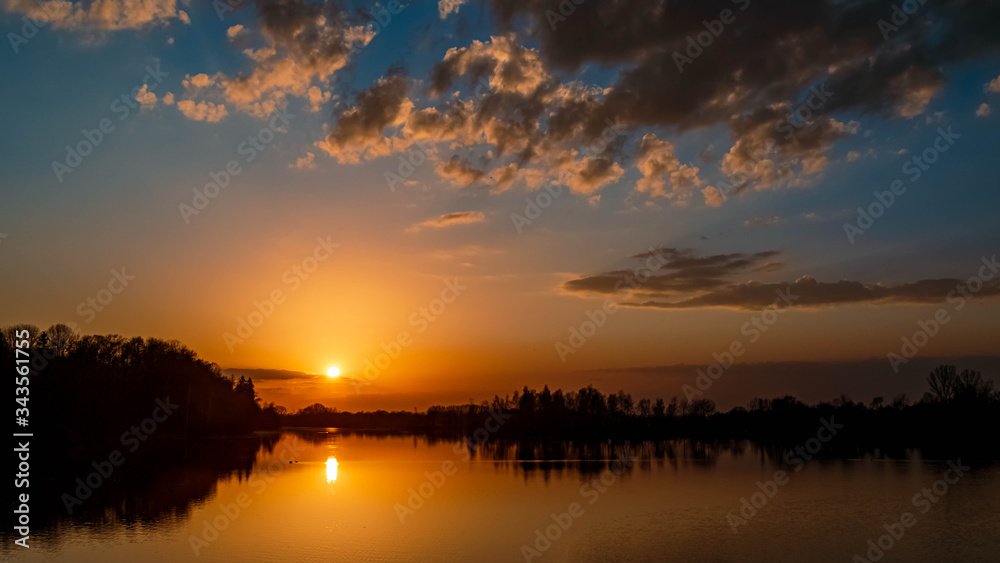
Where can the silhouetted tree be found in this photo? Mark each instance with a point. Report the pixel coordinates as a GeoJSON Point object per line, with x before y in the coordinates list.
{"type": "Point", "coordinates": [62, 338]}
{"type": "Point", "coordinates": [943, 382]}
{"type": "Point", "coordinates": [645, 410]}
{"type": "Point", "coordinates": [659, 410]}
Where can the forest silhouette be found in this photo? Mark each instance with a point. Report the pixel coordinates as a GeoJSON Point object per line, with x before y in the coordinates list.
{"type": "Point", "coordinates": [86, 390]}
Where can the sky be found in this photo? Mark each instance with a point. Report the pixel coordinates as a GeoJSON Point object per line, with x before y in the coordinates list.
{"type": "Point", "coordinates": [455, 199]}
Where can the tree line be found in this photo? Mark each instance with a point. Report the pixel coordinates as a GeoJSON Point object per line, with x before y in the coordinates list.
{"type": "Point", "coordinates": [89, 388]}
{"type": "Point", "coordinates": [956, 413]}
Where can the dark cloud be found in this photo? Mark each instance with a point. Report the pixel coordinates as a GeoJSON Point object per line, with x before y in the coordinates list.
{"type": "Point", "coordinates": [459, 171]}
{"type": "Point", "coordinates": [808, 292]}
{"type": "Point", "coordinates": [359, 127]}
{"type": "Point", "coordinates": [762, 66]}
{"type": "Point", "coordinates": [689, 281]}
{"type": "Point", "coordinates": [311, 33]}
{"type": "Point", "coordinates": [771, 52]}
{"type": "Point", "coordinates": [682, 272]}
{"type": "Point", "coordinates": [779, 78]}
{"type": "Point", "coordinates": [270, 374]}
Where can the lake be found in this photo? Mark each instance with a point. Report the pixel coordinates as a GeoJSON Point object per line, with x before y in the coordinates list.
{"type": "Point", "coordinates": [355, 497]}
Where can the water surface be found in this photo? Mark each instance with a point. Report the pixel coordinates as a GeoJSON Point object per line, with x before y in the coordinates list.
{"type": "Point", "coordinates": [351, 497]}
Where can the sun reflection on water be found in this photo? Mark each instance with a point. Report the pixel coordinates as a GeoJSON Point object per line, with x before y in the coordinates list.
{"type": "Point", "coordinates": [331, 470]}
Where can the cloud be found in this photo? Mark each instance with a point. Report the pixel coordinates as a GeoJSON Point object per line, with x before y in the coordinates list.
{"type": "Point", "coordinates": [584, 175]}
{"type": "Point", "coordinates": [761, 221]}
{"type": "Point", "coordinates": [663, 175]}
{"type": "Point", "coordinates": [778, 82]}
{"type": "Point", "coordinates": [688, 280]}
{"type": "Point", "coordinates": [98, 15]}
{"type": "Point", "coordinates": [235, 31]}
{"type": "Point", "coordinates": [713, 197]}
{"type": "Point", "coordinates": [802, 43]}
{"type": "Point", "coordinates": [146, 99]}
{"type": "Point", "coordinates": [317, 98]}
{"type": "Point", "coordinates": [168, 98]}
{"type": "Point", "coordinates": [184, 17]}
{"type": "Point", "coordinates": [459, 171]}
{"type": "Point", "coordinates": [762, 68]}
{"type": "Point", "coordinates": [993, 85]}
{"type": "Point", "coordinates": [983, 110]}
{"type": "Point", "coordinates": [358, 133]}
{"type": "Point", "coordinates": [462, 252]}
{"type": "Point", "coordinates": [303, 43]}
{"type": "Point", "coordinates": [808, 292]}
{"type": "Point", "coordinates": [764, 159]}
{"type": "Point", "coordinates": [197, 81]}
{"type": "Point", "coordinates": [446, 7]}
{"type": "Point", "coordinates": [501, 63]}
{"type": "Point", "coordinates": [307, 162]}
{"type": "Point", "coordinates": [271, 374]}
{"type": "Point", "coordinates": [512, 94]}
{"type": "Point", "coordinates": [202, 111]}
{"type": "Point", "coordinates": [681, 271]}
{"type": "Point", "coordinates": [450, 219]}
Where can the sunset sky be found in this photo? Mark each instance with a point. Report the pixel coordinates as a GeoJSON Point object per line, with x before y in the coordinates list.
{"type": "Point", "coordinates": [732, 167]}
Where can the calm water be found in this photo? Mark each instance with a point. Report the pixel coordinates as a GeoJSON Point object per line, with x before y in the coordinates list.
{"type": "Point", "coordinates": [343, 499]}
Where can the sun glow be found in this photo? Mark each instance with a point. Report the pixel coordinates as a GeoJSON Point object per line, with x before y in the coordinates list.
{"type": "Point", "coordinates": [333, 371]}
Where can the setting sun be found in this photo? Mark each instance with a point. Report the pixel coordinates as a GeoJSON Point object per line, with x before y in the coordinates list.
{"type": "Point", "coordinates": [334, 371]}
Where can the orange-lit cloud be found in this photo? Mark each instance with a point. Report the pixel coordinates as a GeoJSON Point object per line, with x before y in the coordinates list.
{"type": "Point", "coordinates": [450, 219]}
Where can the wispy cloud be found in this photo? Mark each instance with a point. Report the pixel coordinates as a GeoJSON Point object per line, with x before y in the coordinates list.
{"type": "Point", "coordinates": [449, 219]}
{"type": "Point", "coordinates": [761, 221]}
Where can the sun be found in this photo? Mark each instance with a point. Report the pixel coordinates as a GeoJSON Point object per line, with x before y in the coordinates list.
{"type": "Point", "coordinates": [334, 371]}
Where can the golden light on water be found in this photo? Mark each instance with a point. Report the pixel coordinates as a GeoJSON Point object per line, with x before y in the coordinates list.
{"type": "Point", "coordinates": [331, 470]}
